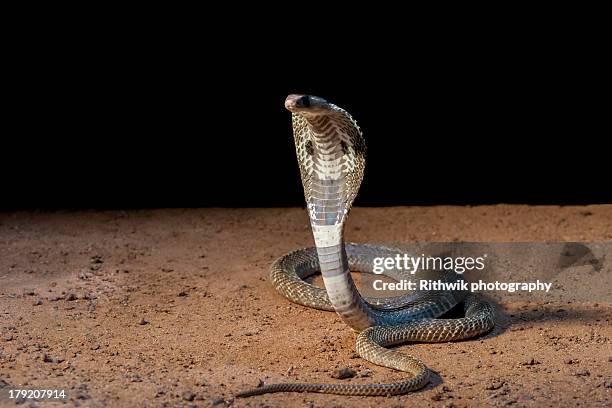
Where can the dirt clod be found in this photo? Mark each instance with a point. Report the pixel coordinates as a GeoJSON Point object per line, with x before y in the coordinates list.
{"type": "Point", "coordinates": [343, 373]}
{"type": "Point", "coordinates": [50, 359]}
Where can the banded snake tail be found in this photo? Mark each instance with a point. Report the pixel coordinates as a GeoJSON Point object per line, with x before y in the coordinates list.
{"type": "Point", "coordinates": [331, 154]}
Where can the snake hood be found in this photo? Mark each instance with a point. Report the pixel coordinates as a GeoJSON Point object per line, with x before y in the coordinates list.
{"type": "Point", "coordinates": [331, 155]}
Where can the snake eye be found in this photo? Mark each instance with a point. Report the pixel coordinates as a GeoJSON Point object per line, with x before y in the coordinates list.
{"type": "Point", "coordinates": [303, 102]}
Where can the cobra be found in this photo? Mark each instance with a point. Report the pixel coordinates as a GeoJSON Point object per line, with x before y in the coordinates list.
{"type": "Point", "coordinates": [331, 153]}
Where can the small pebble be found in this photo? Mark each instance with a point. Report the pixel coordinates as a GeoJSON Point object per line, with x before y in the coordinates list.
{"type": "Point", "coordinates": [71, 296]}
{"type": "Point", "coordinates": [188, 396]}
{"type": "Point", "coordinates": [494, 385]}
{"type": "Point", "coordinates": [366, 373]}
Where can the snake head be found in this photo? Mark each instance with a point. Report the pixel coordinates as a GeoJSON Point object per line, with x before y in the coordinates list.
{"type": "Point", "coordinates": [307, 104]}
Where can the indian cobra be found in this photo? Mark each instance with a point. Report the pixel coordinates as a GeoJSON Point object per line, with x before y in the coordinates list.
{"type": "Point", "coordinates": [331, 154]}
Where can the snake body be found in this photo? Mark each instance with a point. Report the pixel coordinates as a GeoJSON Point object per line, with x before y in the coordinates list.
{"type": "Point", "coordinates": [331, 155]}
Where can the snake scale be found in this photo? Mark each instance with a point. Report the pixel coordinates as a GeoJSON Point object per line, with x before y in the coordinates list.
{"type": "Point", "coordinates": [331, 154]}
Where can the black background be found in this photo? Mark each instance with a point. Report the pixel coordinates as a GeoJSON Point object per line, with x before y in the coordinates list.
{"type": "Point", "coordinates": [154, 126]}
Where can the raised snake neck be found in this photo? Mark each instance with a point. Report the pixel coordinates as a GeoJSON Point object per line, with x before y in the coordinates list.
{"type": "Point", "coordinates": [331, 156]}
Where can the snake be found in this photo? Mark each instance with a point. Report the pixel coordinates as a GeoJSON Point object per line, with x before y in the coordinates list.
{"type": "Point", "coordinates": [331, 152]}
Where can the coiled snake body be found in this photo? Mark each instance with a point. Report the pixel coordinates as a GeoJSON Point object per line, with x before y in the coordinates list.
{"type": "Point", "coordinates": [331, 156]}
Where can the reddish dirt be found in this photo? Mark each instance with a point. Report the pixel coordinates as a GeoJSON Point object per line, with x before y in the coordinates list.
{"type": "Point", "coordinates": [174, 308]}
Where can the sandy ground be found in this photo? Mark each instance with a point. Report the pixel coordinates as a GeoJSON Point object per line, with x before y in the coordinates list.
{"type": "Point", "coordinates": [174, 308]}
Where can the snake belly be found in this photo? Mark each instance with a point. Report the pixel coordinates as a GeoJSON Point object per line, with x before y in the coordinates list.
{"type": "Point", "coordinates": [331, 155]}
